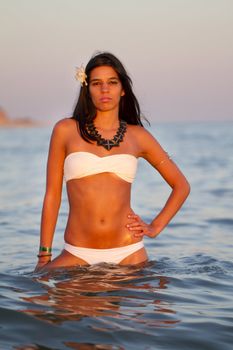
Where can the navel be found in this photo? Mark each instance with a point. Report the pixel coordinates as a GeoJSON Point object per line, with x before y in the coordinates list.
{"type": "Point", "coordinates": [102, 221]}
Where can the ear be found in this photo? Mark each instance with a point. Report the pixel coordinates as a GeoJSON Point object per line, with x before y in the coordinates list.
{"type": "Point", "coordinates": [122, 93]}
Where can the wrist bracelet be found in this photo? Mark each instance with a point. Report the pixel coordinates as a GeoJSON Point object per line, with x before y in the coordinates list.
{"type": "Point", "coordinates": [45, 249]}
{"type": "Point", "coordinates": [41, 255]}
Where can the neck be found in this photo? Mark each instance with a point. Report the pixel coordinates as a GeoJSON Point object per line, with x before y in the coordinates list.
{"type": "Point", "coordinates": [107, 121]}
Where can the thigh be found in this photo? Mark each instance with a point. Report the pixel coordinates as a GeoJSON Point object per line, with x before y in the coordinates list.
{"type": "Point", "coordinates": [137, 257]}
{"type": "Point", "coordinates": [65, 259]}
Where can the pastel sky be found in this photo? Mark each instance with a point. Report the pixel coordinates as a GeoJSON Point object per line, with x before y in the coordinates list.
{"type": "Point", "coordinates": [179, 54]}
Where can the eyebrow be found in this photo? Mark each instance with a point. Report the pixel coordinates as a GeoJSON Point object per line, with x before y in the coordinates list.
{"type": "Point", "coordinates": [99, 79]}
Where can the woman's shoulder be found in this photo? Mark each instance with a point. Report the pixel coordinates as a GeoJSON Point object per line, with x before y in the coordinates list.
{"type": "Point", "coordinates": [146, 142]}
{"type": "Point", "coordinates": [62, 128]}
{"type": "Point", "coordinates": [64, 123]}
{"type": "Point", "coordinates": [139, 132]}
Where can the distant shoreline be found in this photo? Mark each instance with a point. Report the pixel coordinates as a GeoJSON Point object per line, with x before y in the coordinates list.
{"type": "Point", "coordinates": [17, 122]}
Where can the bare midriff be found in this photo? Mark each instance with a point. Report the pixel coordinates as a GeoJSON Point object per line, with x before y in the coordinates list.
{"type": "Point", "coordinates": [99, 207]}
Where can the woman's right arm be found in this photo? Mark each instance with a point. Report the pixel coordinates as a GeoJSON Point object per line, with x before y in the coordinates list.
{"type": "Point", "coordinates": [52, 198]}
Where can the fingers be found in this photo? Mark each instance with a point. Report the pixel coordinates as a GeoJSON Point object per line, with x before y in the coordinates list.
{"type": "Point", "coordinates": [139, 234]}
{"type": "Point", "coordinates": [133, 216]}
{"type": "Point", "coordinates": [138, 226]}
{"type": "Point", "coordinates": [135, 224]}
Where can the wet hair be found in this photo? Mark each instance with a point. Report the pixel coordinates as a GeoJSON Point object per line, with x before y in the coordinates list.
{"type": "Point", "coordinates": [85, 111]}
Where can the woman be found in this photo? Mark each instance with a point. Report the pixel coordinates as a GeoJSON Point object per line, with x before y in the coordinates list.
{"type": "Point", "coordinates": [96, 150]}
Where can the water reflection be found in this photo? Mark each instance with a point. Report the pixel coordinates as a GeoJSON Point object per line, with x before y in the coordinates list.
{"type": "Point", "coordinates": [73, 345]}
{"type": "Point", "coordinates": [105, 291]}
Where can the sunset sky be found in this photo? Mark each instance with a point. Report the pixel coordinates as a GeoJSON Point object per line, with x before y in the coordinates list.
{"type": "Point", "coordinates": [179, 54]}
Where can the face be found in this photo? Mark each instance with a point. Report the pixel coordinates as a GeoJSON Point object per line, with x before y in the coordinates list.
{"type": "Point", "coordinates": [105, 88]}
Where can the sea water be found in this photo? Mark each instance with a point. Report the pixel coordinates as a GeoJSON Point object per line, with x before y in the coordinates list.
{"type": "Point", "coordinates": [181, 299]}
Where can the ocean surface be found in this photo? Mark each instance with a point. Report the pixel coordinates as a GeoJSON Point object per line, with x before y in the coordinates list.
{"type": "Point", "coordinates": [181, 299]}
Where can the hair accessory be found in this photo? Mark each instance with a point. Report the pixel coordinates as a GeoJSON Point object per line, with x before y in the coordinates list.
{"type": "Point", "coordinates": [108, 144]}
{"type": "Point", "coordinates": [81, 75]}
{"type": "Point", "coordinates": [45, 249]}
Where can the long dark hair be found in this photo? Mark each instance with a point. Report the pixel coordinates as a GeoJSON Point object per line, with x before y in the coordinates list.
{"type": "Point", "coordinates": [85, 111]}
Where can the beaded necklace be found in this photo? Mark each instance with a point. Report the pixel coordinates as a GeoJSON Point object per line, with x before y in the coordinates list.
{"type": "Point", "coordinates": [106, 143]}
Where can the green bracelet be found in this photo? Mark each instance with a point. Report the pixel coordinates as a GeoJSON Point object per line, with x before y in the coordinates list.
{"type": "Point", "coordinates": [45, 249]}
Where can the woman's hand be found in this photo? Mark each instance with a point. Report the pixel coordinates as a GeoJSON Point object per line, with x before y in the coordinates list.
{"type": "Point", "coordinates": [41, 264]}
{"type": "Point", "coordinates": [141, 228]}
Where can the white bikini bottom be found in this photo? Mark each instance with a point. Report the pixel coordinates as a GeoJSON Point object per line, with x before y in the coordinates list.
{"type": "Point", "coordinates": [95, 256]}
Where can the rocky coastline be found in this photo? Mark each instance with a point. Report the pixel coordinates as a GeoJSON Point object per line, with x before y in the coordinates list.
{"type": "Point", "coordinates": [5, 121]}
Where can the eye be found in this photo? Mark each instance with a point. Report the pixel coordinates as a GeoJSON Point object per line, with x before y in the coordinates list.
{"type": "Point", "coordinates": [113, 82]}
{"type": "Point", "coordinates": [95, 83]}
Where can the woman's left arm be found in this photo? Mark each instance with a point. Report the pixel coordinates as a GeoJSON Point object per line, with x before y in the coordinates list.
{"type": "Point", "coordinates": [151, 150]}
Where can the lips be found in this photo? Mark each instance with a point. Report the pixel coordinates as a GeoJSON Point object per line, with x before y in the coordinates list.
{"type": "Point", "coordinates": [105, 99]}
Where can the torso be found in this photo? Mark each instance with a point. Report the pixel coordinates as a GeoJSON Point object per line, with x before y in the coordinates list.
{"type": "Point", "coordinates": [99, 203]}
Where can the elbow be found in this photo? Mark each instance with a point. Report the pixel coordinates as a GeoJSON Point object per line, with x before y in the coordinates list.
{"type": "Point", "coordinates": [185, 188]}
{"type": "Point", "coordinates": [188, 188]}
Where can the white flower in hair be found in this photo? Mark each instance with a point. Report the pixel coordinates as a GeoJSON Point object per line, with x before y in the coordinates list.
{"type": "Point", "coordinates": [81, 75]}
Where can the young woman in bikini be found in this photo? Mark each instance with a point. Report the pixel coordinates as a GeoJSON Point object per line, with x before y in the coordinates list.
{"type": "Point", "coordinates": [96, 152]}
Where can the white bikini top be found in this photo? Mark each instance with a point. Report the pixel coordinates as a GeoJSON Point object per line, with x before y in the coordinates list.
{"type": "Point", "coordinates": [81, 164]}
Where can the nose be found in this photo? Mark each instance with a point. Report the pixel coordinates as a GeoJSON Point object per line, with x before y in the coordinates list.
{"type": "Point", "coordinates": [104, 86]}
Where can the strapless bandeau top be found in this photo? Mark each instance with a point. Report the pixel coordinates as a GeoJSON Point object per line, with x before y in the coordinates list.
{"type": "Point", "coordinates": [81, 164]}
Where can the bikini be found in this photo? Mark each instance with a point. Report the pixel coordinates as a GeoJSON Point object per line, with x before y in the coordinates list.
{"type": "Point", "coordinates": [81, 164]}
{"type": "Point", "coordinates": [96, 256]}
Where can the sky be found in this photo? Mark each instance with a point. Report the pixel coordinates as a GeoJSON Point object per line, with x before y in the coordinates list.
{"type": "Point", "coordinates": [179, 54]}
